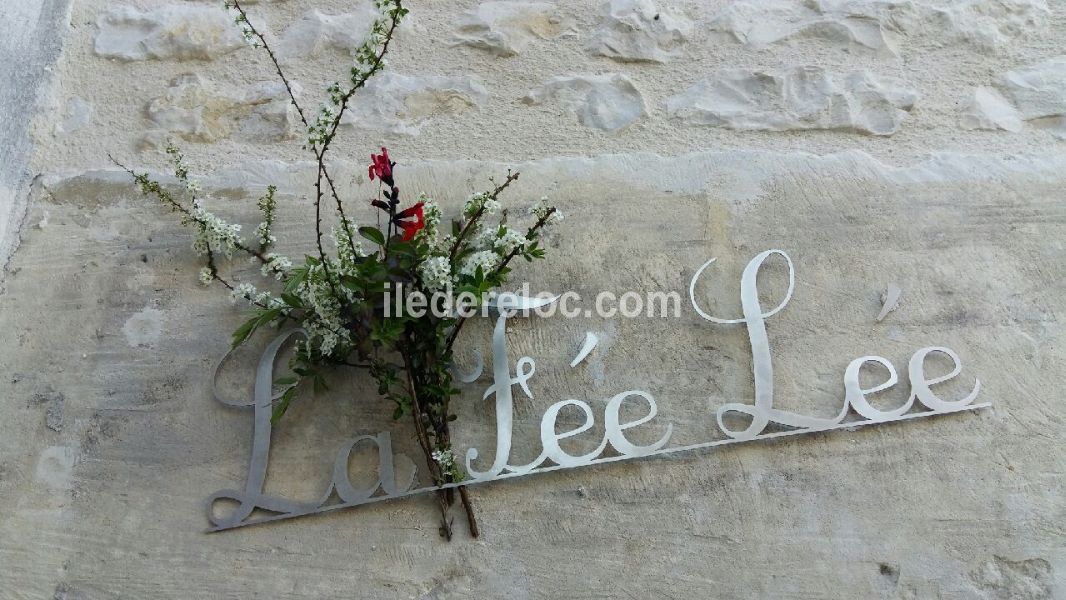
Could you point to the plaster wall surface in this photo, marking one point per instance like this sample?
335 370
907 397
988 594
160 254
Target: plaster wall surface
918 143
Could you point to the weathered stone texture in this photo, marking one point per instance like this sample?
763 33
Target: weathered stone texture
637 30
884 24
507 27
316 32
915 144
800 98
179 32
403 104
608 102
195 109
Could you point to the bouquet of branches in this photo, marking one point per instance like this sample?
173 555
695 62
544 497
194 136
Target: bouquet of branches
341 299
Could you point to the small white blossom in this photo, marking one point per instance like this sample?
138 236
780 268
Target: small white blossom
444 458
206 276
474 203
215 235
329 342
483 238
441 245
541 210
491 206
510 241
276 265
244 291
436 273
263 235
431 212
486 259
348 250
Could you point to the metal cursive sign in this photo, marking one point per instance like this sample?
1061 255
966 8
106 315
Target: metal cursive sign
552 457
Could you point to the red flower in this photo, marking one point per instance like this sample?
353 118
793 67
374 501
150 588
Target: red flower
410 228
381 166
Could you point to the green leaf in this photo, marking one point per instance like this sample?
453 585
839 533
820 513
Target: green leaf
289 380
261 318
295 278
244 331
282 405
373 234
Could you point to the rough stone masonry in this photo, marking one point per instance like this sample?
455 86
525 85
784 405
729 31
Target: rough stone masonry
911 143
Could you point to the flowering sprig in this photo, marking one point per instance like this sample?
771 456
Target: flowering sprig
267 205
339 298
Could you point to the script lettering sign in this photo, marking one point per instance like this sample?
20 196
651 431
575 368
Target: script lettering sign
922 402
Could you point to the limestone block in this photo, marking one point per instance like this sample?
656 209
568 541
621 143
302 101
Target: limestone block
637 30
881 25
195 109
403 104
795 99
989 24
608 102
1035 94
988 109
506 28
1039 91
177 32
315 32
973 239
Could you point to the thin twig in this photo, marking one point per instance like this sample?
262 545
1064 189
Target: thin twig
423 440
318 232
174 204
273 59
379 57
532 230
493 195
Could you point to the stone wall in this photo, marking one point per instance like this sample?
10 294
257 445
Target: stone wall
917 143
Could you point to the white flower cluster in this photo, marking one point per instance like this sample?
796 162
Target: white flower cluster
247 291
206 276
540 209
276 266
431 215
483 238
511 240
348 249
336 94
475 202
486 259
367 59
328 326
215 235
436 273
243 291
267 205
318 131
263 235
444 458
